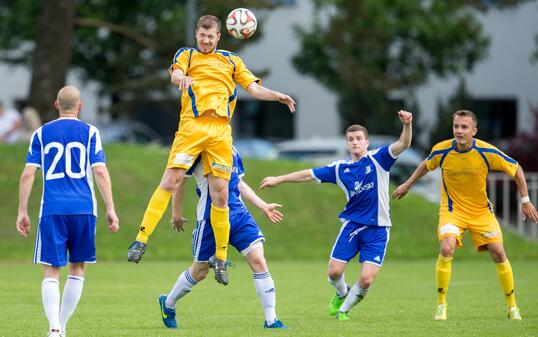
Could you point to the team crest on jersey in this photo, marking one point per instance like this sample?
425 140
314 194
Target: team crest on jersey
221 167
368 169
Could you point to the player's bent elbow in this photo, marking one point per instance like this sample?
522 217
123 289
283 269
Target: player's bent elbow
100 172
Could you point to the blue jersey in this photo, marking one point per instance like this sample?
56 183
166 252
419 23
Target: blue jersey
235 204
366 185
66 150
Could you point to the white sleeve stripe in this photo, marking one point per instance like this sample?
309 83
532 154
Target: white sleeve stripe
390 152
33 164
98 164
314 176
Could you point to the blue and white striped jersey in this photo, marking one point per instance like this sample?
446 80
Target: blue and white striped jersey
366 185
235 204
66 150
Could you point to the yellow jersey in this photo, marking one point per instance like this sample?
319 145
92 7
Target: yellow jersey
214 75
463 187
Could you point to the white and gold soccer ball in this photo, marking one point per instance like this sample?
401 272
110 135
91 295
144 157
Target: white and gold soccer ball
241 23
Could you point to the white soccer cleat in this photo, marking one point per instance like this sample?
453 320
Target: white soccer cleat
513 314
440 313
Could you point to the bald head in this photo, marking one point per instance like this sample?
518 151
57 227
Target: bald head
68 100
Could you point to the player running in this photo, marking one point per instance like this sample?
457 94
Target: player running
365 219
206 76
245 236
465 163
70 153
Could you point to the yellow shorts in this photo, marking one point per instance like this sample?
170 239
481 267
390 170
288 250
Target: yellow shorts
484 228
207 135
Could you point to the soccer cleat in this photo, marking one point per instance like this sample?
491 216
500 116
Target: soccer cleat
135 251
167 314
513 313
277 324
221 274
342 316
54 333
335 304
440 313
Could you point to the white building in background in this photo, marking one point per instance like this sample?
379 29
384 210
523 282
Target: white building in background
505 80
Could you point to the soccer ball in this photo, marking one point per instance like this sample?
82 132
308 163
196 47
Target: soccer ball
241 23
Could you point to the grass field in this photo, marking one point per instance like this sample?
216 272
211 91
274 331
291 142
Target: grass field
120 299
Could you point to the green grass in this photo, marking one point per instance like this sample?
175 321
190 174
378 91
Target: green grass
308 231
120 299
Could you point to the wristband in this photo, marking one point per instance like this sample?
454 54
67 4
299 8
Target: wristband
525 199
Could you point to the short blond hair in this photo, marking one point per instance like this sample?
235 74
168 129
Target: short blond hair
466 113
357 127
208 22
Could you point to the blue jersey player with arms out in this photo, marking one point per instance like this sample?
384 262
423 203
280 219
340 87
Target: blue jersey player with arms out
245 236
365 219
70 154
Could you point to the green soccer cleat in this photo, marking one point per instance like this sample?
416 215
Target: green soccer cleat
342 316
440 313
513 314
335 304
135 251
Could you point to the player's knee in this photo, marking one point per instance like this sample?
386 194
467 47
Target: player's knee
447 248
258 264
171 179
366 281
199 274
334 273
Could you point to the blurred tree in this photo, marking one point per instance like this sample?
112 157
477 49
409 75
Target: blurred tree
364 49
522 147
126 46
460 100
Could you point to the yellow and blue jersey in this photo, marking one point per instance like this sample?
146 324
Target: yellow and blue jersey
464 174
214 76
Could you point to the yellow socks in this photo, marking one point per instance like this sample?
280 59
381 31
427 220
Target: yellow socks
443 271
220 223
506 278
156 208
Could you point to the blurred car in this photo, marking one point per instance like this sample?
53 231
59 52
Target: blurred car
128 132
255 148
322 151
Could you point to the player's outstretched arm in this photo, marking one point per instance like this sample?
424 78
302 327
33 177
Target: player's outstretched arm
402 190
529 212
269 210
260 92
178 221
25 189
102 178
407 133
294 177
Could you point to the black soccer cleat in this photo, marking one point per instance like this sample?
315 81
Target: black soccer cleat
135 251
221 273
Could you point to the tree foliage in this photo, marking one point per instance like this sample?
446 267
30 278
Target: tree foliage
363 49
126 46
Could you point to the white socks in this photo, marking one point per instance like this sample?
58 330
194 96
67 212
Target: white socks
265 287
50 294
355 295
182 287
71 296
340 285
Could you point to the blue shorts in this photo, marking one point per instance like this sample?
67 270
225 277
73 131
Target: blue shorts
58 234
244 233
370 241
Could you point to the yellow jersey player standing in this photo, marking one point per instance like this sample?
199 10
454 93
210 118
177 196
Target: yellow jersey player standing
206 76
465 163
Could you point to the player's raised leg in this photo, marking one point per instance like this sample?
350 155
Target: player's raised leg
157 205
359 290
265 286
218 188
